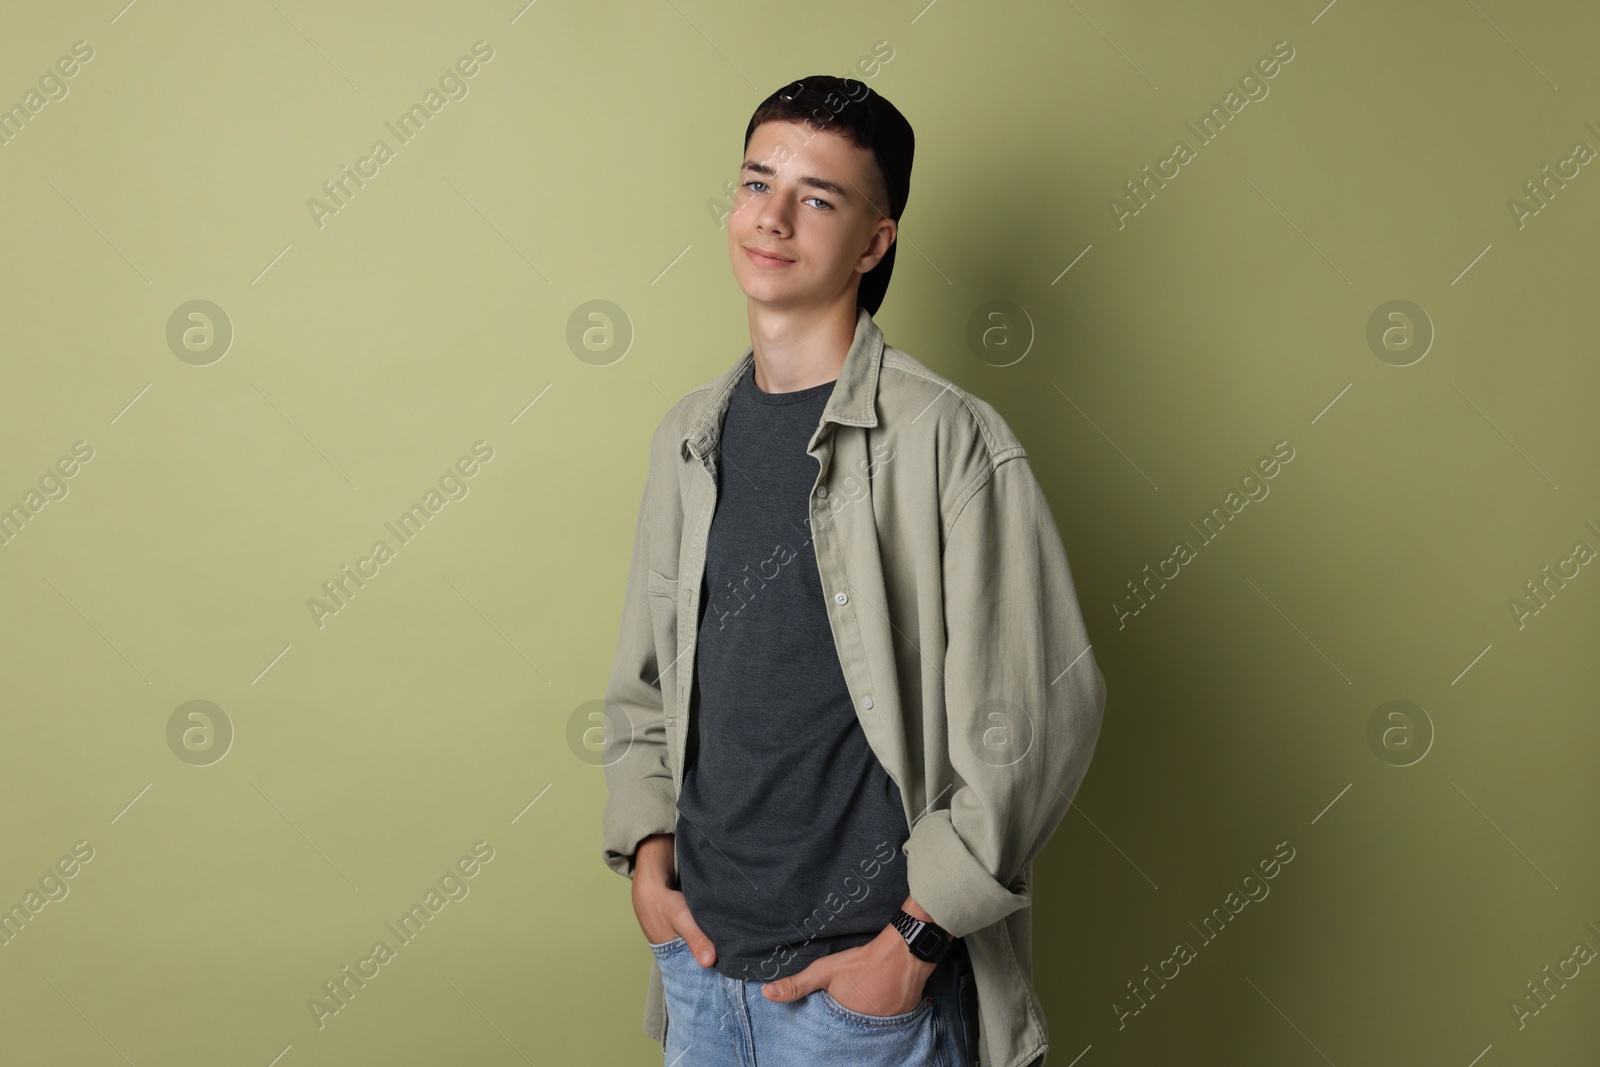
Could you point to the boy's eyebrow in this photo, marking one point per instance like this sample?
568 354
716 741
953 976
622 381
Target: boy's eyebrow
756 167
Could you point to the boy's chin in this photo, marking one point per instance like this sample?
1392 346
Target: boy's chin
774 295
782 294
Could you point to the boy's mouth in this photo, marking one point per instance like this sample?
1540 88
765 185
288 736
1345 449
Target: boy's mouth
762 259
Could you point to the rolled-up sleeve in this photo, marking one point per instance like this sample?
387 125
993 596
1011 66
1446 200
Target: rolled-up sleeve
638 773
1023 697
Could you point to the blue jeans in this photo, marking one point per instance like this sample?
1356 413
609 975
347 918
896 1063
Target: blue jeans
717 1021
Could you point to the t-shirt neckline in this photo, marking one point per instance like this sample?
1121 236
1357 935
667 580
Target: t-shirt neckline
754 392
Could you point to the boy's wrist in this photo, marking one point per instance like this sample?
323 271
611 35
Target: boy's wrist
916 911
654 859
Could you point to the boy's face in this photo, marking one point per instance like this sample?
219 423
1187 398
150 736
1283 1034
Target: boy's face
804 195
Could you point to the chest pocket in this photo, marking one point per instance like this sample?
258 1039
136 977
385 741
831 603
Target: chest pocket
664 621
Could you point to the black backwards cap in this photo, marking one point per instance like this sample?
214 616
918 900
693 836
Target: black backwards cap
850 104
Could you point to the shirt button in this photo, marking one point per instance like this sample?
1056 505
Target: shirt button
841 596
866 702
822 492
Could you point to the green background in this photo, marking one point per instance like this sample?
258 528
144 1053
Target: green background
438 708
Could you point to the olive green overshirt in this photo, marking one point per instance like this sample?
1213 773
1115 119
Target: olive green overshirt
958 629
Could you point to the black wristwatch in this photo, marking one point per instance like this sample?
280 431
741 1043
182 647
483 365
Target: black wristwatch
928 941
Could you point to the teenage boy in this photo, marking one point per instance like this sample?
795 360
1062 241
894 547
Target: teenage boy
850 635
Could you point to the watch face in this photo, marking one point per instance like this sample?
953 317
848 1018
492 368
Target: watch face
929 944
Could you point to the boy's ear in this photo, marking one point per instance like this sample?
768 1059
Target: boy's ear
894 235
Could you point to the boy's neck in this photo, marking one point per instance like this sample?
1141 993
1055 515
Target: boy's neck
797 348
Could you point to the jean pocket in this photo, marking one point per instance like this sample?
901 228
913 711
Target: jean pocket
667 947
905 1018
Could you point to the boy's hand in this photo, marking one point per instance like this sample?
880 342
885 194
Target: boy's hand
662 912
881 977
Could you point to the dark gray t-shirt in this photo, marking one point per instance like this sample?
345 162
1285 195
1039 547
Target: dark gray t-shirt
789 828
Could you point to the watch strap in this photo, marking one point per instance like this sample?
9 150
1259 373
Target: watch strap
928 941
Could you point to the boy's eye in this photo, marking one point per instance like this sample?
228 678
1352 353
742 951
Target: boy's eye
755 182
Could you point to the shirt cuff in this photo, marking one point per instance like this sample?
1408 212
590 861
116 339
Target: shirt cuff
949 882
636 809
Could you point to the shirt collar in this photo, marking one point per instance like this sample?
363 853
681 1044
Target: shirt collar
852 402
